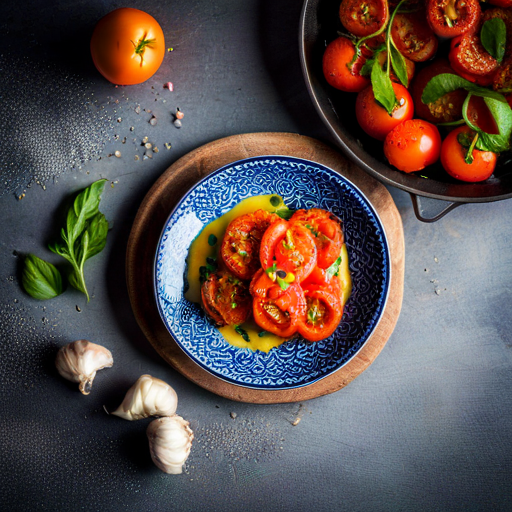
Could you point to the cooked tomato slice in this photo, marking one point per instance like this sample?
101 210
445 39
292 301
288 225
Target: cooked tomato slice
291 247
468 56
226 299
413 37
276 310
447 108
363 17
450 18
324 311
241 243
327 233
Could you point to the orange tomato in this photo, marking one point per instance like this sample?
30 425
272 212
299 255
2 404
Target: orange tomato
127 46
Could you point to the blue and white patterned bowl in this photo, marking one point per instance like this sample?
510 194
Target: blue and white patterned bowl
302 184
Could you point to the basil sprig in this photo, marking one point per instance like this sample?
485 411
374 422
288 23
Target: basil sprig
496 102
493 37
40 279
84 235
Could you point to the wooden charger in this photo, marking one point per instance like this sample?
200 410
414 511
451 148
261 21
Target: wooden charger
170 188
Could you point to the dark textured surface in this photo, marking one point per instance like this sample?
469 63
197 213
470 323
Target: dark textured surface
426 427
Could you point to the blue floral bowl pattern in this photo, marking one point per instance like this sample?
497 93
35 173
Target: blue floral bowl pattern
302 184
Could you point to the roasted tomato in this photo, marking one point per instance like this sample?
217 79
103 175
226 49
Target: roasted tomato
226 299
502 79
453 158
338 68
324 311
327 233
480 115
363 17
413 145
450 18
413 37
127 46
447 108
291 248
469 57
276 310
240 246
374 119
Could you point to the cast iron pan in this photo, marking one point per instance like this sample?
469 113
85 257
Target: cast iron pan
434 193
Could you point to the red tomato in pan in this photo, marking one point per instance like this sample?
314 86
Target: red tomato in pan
127 46
450 18
413 145
324 311
335 64
469 57
413 37
291 247
447 108
240 246
453 156
374 119
276 310
327 233
363 18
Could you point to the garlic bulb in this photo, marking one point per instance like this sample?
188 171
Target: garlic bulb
149 396
79 361
170 441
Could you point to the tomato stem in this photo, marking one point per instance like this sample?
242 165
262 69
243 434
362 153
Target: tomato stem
469 155
140 46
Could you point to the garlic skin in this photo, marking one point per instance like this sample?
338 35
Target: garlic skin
170 441
80 360
149 396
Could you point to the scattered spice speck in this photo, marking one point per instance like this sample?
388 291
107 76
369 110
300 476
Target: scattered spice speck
155 150
118 154
179 114
153 121
177 123
233 414
168 145
138 109
78 308
148 145
136 157
119 119
169 85
132 128
145 139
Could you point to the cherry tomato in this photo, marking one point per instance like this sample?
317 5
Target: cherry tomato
241 243
413 37
276 310
447 108
480 115
291 247
450 18
469 57
413 145
226 299
453 156
324 311
363 18
336 60
127 46
374 119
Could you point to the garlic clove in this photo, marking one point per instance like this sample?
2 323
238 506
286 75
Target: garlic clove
80 360
170 442
149 396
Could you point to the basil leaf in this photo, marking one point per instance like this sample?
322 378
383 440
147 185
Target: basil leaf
383 88
40 279
398 63
97 231
447 82
502 114
493 37
285 213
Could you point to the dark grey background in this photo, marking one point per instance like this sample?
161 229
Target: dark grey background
425 428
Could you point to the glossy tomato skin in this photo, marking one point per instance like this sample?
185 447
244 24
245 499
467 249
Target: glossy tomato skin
113 45
374 119
413 145
413 37
453 159
363 18
327 232
337 56
447 108
240 245
464 16
468 57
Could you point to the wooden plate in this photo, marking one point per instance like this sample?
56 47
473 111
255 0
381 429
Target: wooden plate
169 189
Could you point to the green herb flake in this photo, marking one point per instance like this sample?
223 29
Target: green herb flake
242 332
212 240
334 269
285 213
261 334
275 201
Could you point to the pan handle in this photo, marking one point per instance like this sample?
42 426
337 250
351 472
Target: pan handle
431 210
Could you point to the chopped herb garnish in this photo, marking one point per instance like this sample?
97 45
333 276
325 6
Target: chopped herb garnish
262 333
234 305
285 214
212 240
282 283
313 230
242 333
334 269
275 201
